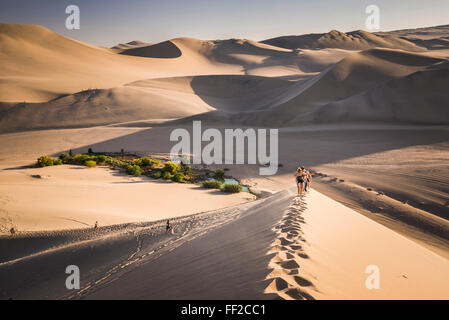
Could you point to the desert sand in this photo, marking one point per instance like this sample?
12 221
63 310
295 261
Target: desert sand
367 111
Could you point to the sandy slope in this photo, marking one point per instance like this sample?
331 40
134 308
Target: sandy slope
152 99
75 197
373 85
41 65
435 32
319 229
411 189
130 45
294 248
356 40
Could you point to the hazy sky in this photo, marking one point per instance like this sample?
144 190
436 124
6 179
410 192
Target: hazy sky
108 22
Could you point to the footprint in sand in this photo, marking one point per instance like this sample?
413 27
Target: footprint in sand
285 264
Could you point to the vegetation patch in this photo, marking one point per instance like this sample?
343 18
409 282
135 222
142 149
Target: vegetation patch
90 163
231 188
136 166
212 184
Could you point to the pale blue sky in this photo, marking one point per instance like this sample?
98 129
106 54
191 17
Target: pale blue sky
108 22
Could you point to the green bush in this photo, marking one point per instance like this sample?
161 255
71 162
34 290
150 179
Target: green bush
45 161
232 188
178 177
80 158
145 162
155 174
211 184
167 175
187 170
219 174
116 162
171 167
101 158
57 162
133 170
90 163
71 153
65 158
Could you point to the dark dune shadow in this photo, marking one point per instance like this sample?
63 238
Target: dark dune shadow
326 147
20 167
237 93
163 50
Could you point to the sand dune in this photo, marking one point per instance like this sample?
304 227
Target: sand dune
368 70
313 98
356 40
153 99
421 33
74 197
130 45
352 90
282 246
100 107
41 65
417 98
166 49
363 70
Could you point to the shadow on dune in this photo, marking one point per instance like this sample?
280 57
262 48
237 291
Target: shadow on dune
237 93
326 147
166 49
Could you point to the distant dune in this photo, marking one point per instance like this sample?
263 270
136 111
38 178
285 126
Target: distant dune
166 49
51 81
153 99
421 33
356 40
131 45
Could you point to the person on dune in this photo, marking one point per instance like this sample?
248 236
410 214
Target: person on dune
168 227
308 182
300 179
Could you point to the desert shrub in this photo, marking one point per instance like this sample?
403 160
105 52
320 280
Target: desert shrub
171 167
90 163
219 174
80 158
167 175
64 157
70 153
44 161
145 162
155 174
232 188
211 184
57 162
116 162
178 177
90 151
101 158
187 170
133 170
